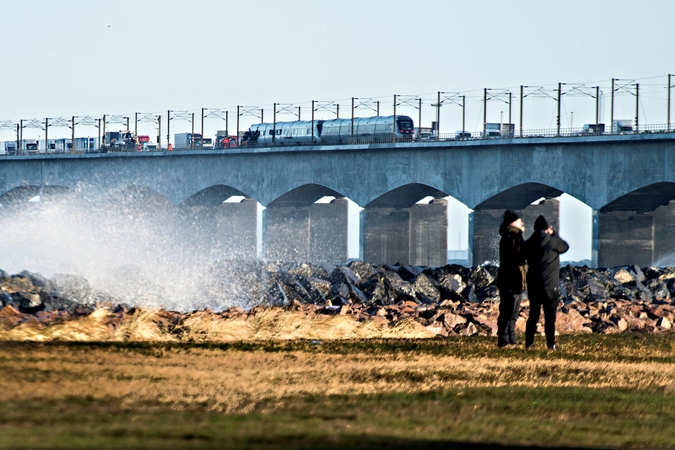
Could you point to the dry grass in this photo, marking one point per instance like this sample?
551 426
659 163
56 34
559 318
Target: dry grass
206 326
131 390
231 380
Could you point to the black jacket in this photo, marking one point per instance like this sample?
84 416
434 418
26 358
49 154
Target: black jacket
511 274
543 258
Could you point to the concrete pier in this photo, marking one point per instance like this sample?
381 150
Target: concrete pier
316 233
417 235
225 231
485 225
640 238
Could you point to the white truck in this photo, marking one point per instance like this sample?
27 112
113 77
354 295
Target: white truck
31 147
622 126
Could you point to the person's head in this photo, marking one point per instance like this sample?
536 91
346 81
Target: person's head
513 219
540 224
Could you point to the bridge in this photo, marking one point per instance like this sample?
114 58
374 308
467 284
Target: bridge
628 181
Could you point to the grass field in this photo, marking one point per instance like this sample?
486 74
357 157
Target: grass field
607 391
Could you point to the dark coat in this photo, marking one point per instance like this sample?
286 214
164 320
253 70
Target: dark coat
543 258
512 268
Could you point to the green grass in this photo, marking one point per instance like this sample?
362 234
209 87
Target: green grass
569 418
624 347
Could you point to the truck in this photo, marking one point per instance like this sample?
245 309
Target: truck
192 141
119 141
31 146
497 130
224 140
149 147
590 129
63 145
85 145
10 148
622 126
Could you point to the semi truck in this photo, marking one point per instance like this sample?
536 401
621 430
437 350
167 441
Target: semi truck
192 140
119 141
10 148
496 130
31 146
622 126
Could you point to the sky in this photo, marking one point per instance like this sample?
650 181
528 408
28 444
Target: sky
95 57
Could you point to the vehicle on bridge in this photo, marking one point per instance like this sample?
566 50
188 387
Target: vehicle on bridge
10 148
335 131
193 141
31 146
224 140
63 145
119 141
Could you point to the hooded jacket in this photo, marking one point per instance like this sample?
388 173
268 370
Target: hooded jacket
543 257
512 266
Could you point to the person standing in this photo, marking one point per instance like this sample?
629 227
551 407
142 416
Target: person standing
543 250
510 277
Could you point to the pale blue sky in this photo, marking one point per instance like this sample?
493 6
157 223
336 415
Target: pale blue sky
94 57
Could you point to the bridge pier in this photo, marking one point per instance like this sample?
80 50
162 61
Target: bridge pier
484 227
640 238
225 231
417 235
316 233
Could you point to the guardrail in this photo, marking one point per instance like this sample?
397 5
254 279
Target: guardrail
458 136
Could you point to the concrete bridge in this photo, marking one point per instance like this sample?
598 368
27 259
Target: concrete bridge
627 180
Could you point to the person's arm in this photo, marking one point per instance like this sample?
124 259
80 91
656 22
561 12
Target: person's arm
558 244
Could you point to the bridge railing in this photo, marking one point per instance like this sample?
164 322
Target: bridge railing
458 136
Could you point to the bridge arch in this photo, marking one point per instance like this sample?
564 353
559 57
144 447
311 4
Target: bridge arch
638 227
405 196
303 196
645 199
22 194
212 196
518 197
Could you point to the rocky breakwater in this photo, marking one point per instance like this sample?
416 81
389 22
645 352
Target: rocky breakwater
258 300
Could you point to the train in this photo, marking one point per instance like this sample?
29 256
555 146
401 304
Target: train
331 132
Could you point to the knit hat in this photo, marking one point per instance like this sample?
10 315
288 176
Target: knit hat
540 224
510 217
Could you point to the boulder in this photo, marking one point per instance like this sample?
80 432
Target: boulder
424 285
570 321
664 323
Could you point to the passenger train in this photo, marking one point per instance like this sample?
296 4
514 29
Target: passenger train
327 132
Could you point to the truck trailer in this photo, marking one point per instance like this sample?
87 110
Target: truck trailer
192 141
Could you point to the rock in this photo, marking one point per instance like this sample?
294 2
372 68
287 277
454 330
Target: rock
469 330
621 323
424 285
10 317
469 293
638 274
344 275
436 328
481 276
362 269
622 275
664 323
330 310
570 321
658 289
604 327
408 273
451 320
